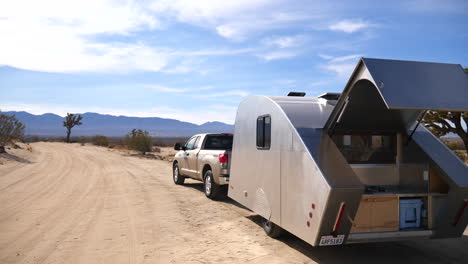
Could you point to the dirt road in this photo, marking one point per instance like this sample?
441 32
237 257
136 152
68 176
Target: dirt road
66 203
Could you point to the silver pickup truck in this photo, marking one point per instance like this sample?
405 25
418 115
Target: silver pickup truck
204 157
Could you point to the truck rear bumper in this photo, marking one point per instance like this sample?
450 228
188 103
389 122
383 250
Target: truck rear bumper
224 179
388 236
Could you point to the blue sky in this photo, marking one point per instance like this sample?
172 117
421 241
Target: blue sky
196 60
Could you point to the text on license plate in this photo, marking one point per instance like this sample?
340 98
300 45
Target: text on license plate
331 240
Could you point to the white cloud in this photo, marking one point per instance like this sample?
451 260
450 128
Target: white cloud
240 93
234 20
342 69
285 41
342 65
349 26
54 35
325 57
166 89
319 83
232 32
340 58
346 58
194 92
276 55
64 36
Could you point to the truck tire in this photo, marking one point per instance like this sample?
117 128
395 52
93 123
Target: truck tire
178 179
271 229
210 187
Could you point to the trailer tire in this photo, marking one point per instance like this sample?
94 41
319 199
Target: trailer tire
178 179
210 187
271 229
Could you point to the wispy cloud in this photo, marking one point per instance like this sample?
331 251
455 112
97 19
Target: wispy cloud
285 41
54 36
166 89
276 55
196 92
340 58
318 83
342 65
342 69
240 93
350 26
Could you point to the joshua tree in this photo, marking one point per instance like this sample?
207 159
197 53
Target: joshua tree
10 129
139 140
441 123
71 120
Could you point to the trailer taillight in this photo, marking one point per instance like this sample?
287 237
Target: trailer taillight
339 217
223 158
460 214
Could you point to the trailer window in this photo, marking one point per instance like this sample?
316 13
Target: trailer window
264 132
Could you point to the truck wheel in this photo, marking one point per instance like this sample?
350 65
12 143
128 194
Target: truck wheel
178 179
271 229
211 189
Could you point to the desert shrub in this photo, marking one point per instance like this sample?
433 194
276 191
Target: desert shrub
139 140
102 141
11 129
156 149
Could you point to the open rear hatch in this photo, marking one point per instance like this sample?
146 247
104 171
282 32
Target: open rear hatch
390 94
419 180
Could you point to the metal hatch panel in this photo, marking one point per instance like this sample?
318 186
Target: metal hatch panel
386 95
420 85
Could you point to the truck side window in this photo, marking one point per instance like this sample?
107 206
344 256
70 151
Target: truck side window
191 143
264 132
197 143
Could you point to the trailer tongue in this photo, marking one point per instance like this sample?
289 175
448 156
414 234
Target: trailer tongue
360 168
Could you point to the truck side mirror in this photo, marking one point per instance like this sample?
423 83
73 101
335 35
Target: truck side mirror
177 146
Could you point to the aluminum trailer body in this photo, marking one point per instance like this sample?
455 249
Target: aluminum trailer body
309 164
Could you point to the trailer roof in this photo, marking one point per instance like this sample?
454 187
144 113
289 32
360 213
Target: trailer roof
305 112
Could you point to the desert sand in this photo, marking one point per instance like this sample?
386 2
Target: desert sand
66 203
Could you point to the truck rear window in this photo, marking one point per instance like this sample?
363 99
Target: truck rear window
218 142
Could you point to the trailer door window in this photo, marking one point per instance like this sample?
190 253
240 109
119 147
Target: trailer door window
264 132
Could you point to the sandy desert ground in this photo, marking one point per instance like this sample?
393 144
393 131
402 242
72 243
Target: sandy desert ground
66 203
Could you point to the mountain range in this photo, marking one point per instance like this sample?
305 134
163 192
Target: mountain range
115 126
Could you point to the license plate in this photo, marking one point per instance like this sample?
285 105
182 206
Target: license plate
331 240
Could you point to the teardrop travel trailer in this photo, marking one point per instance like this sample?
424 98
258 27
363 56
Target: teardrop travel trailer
357 166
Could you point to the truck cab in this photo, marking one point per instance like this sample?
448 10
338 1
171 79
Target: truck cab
204 157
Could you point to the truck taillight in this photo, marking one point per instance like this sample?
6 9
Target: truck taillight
223 158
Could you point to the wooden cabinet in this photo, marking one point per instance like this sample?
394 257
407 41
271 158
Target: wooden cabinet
377 213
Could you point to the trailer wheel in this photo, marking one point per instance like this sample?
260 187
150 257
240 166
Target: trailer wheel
271 229
210 187
178 179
